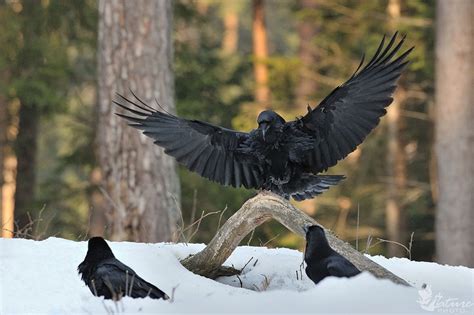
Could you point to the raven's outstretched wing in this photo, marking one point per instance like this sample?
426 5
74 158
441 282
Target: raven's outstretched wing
206 149
347 115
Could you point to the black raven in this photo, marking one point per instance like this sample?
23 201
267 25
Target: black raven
321 260
283 157
106 276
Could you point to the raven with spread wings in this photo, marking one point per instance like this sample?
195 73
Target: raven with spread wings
283 157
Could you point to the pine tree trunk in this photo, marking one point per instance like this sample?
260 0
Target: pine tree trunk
26 149
231 30
455 132
395 217
140 182
260 52
7 173
3 144
97 205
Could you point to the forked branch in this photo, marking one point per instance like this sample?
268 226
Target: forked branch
253 213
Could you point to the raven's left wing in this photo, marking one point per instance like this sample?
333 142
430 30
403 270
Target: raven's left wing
211 151
347 115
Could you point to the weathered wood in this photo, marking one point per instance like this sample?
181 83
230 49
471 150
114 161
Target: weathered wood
253 213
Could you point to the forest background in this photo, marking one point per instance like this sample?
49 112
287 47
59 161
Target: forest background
231 59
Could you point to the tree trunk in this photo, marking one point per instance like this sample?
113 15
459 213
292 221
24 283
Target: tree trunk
454 132
395 217
260 52
3 145
97 205
307 86
26 149
252 214
231 30
6 176
7 171
8 196
140 182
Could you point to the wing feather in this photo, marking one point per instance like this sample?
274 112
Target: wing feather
211 151
351 111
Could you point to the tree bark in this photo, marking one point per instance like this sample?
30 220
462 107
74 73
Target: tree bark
252 214
140 182
97 205
454 132
260 52
395 216
26 149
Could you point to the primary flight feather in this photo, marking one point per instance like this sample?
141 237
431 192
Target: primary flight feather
283 157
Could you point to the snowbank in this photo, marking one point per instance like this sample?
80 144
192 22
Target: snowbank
41 277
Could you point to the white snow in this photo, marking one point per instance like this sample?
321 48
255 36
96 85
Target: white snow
40 277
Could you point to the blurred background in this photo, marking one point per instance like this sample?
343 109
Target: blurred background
72 169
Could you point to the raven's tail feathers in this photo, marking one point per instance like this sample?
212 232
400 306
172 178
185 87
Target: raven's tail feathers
310 186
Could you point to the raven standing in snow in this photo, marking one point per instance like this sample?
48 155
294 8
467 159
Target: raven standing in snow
106 276
321 260
283 157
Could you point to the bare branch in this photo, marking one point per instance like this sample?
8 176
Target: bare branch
253 213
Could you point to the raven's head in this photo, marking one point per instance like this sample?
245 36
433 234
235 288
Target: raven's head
98 250
316 242
268 122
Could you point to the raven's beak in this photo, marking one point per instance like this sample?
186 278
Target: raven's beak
306 228
264 127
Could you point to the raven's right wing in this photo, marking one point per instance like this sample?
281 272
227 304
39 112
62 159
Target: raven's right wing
349 113
206 149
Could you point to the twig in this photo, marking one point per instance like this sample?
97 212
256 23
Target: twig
240 280
180 230
199 223
381 240
410 244
271 239
173 291
250 238
301 269
265 283
357 228
131 285
368 244
193 209
241 270
220 218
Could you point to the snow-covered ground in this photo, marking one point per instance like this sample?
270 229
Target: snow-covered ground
41 278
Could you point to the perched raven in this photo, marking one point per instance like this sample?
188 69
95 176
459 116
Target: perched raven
321 260
106 276
283 157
